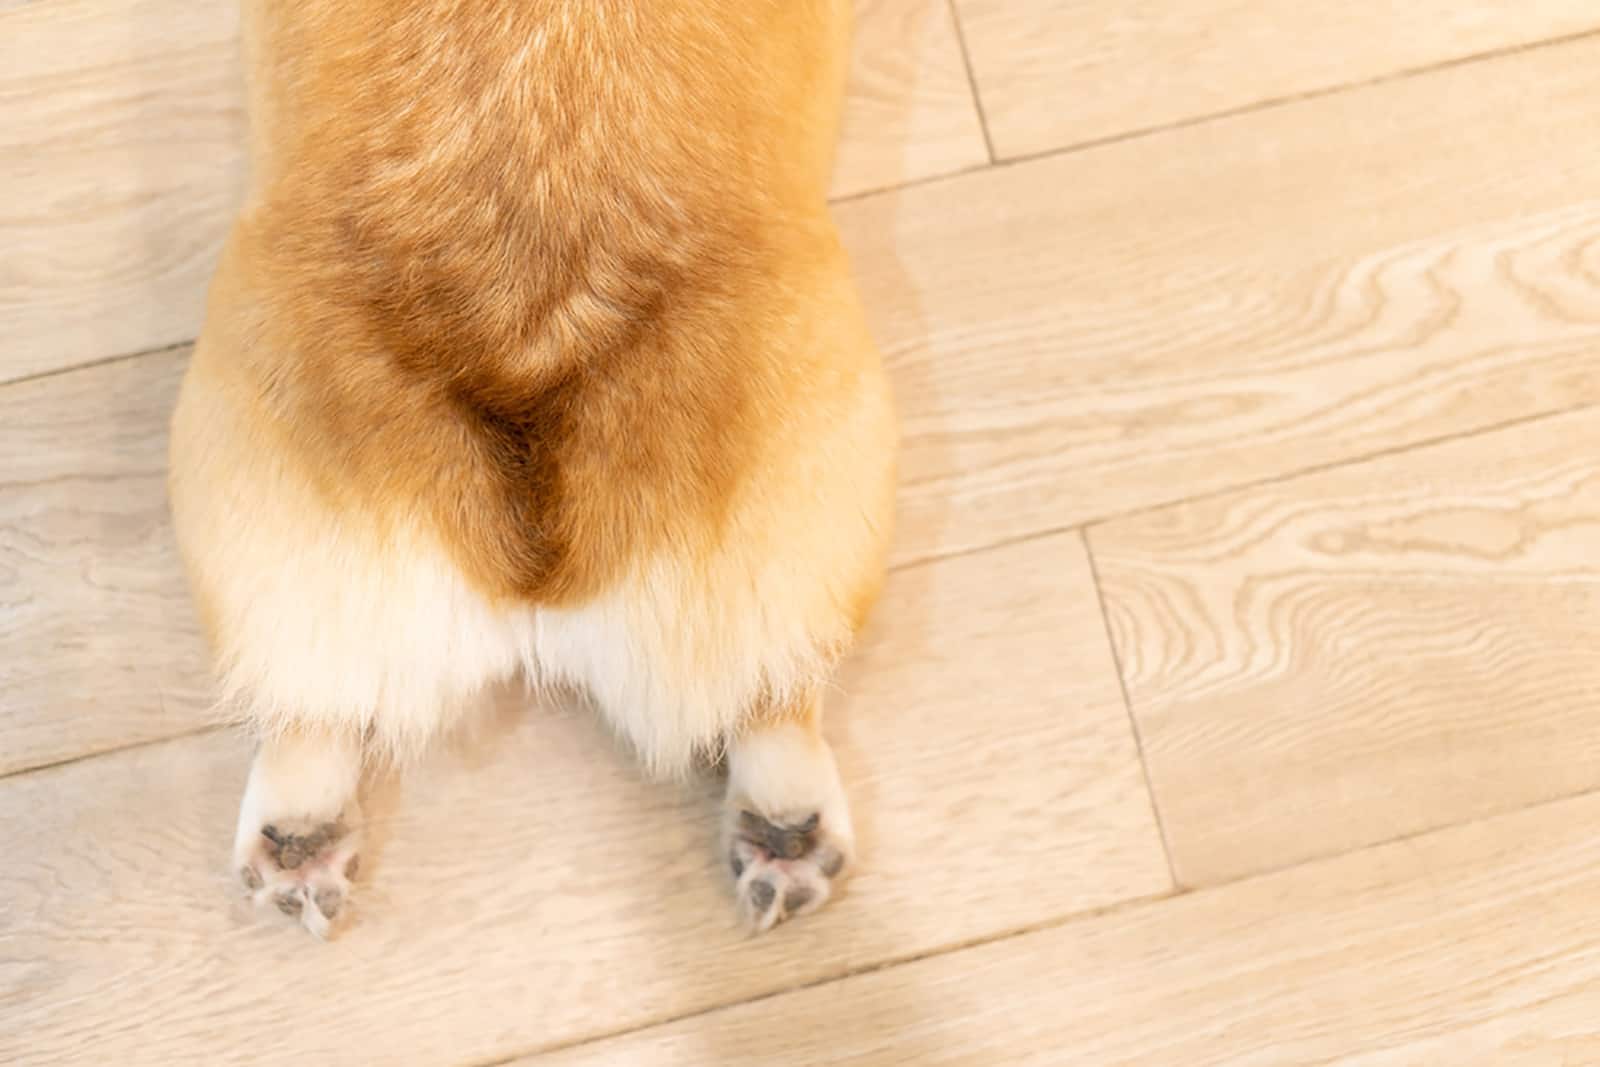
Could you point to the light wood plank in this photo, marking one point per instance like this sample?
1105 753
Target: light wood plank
1476 946
910 112
122 131
1053 73
532 891
1077 337
99 647
1344 658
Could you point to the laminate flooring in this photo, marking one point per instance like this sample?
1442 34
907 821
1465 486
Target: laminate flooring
1232 698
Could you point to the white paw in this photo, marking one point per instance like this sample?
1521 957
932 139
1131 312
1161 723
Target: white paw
302 867
782 868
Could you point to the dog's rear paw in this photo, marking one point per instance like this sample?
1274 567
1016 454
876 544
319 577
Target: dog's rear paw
303 868
782 868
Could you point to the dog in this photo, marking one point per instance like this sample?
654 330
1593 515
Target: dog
533 353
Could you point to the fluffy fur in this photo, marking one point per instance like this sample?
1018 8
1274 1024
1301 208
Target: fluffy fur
533 350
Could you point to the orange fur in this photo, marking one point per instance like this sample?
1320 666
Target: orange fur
542 291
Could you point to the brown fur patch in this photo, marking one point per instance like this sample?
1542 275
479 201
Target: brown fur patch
508 285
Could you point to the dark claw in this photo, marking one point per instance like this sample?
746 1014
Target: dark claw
784 842
830 862
290 851
761 895
290 904
797 898
329 902
737 864
252 880
352 867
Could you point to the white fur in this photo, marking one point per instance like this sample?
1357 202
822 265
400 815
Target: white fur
674 659
786 772
336 634
392 640
297 779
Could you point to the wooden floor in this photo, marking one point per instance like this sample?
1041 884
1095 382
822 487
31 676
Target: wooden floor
1235 697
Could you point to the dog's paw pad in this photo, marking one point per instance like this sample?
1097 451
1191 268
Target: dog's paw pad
782 868
303 869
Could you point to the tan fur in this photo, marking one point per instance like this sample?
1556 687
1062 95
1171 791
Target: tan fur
534 348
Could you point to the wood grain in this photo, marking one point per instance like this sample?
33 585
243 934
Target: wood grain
1301 301
1053 73
531 891
1077 337
1476 946
121 128
1158 338
122 131
1345 658
910 112
98 644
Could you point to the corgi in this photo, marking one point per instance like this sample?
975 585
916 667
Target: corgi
533 352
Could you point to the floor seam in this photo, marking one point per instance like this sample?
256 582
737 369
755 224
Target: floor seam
1043 926
102 361
972 80
1127 704
132 746
1234 488
1270 103
999 937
